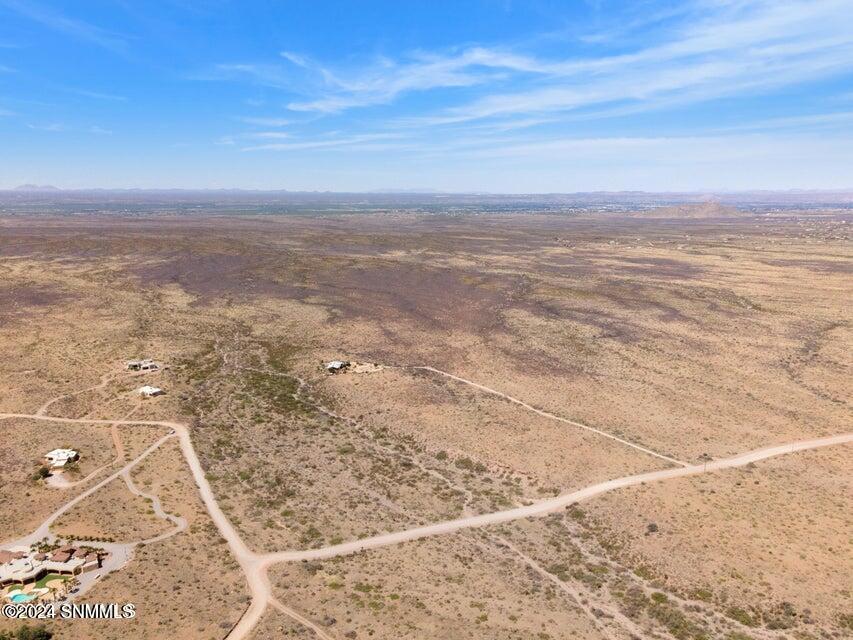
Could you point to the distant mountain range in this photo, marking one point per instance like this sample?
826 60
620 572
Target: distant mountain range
650 204
37 187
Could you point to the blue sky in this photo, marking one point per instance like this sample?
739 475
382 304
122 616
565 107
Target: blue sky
483 95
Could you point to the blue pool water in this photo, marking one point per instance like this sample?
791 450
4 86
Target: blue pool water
23 597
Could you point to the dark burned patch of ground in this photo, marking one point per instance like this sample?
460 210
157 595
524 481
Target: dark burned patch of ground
19 301
216 276
432 297
437 298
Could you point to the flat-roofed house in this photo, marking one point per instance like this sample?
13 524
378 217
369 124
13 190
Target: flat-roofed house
336 366
58 458
23 565
142 365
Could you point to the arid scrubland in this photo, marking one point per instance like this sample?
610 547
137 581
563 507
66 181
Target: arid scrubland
460 586
695 339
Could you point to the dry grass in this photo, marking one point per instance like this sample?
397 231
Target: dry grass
451 587
113 514
692 337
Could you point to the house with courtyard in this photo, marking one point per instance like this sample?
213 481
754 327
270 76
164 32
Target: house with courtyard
23 566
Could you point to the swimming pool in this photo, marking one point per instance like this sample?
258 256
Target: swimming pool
23 597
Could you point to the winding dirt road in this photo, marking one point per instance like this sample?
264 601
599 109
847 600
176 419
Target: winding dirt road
44 529
255 565
249 561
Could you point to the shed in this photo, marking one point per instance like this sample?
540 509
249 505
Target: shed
148 391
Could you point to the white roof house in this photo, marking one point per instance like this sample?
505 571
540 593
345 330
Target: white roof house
336 365
148 391
143 365
59 457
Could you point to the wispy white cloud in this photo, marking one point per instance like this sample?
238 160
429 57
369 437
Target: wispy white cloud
57 127
57 21
746 47
98 95
52 127
269 135
324 143
795 122
386 79
266 122
295 58
718 48
270 75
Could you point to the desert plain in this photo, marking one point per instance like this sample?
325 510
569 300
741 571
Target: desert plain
498 361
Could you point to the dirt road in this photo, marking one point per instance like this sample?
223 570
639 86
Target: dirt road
250 562
552 504
255 565
552 416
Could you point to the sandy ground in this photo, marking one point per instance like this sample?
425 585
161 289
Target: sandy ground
453 587
755 535
693 339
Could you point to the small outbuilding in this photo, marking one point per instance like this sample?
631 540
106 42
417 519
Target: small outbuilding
149 392
336 366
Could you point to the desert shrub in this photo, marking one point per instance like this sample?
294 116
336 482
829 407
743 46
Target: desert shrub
41 473
469 465
742 616
705 595
27 632
559 570
644 572
671 617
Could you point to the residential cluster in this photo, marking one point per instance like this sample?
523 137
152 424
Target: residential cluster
146 364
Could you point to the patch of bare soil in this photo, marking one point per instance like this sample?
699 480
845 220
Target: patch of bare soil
744 541
112 514
452 587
